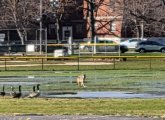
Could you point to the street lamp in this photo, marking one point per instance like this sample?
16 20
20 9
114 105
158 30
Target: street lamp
55 5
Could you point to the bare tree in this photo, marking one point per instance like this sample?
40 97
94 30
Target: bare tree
23 14
19 15
144 18
63 9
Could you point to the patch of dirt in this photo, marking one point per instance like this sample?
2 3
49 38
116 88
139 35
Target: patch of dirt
66 63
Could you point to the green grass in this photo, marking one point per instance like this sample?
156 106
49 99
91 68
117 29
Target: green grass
139 81
130 64
135 75
123 107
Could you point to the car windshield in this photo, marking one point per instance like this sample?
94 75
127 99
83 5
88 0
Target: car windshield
133 40
141 43
149 43
155 43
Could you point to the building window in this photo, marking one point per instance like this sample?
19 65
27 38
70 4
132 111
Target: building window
79 28
51 29
112 26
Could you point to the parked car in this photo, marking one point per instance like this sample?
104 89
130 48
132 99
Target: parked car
51 49
4 48
112 47
131 43
123 48
157 39
150 46
17 48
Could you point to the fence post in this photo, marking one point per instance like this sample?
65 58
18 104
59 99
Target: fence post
150 63
42 63
95 64
78 60
5 65
114 67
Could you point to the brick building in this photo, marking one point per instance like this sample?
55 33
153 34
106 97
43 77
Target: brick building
107 21
107 18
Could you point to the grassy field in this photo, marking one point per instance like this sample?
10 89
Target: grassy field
138 81
123 107
135 63
117 80
139 76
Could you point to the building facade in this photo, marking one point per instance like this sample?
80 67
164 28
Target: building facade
74 21
107 21
107 18
71 23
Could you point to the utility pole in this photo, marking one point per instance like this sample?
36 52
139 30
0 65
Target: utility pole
57 29
40 27
92 19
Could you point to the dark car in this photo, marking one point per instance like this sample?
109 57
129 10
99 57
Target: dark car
17 48
123 48
150 46
116 48
12 48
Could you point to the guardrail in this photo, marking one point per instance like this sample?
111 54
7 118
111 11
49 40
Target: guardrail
77 59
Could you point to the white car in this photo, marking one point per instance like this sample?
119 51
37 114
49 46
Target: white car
131 43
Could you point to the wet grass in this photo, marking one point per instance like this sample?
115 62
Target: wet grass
123 107
141 81
127 76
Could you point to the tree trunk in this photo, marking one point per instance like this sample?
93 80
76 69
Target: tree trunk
142 30
57 30
21 36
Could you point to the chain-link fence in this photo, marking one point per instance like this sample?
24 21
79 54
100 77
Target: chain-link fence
78 63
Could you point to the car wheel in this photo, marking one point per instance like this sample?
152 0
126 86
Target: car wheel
122 51
163 50
141 50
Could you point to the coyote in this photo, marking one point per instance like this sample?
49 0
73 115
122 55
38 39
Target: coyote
80 80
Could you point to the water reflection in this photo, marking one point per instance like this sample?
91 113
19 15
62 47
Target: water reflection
105 94
18 83
33 80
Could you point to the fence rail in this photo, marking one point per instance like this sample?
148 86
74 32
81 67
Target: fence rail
75 57
81 62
